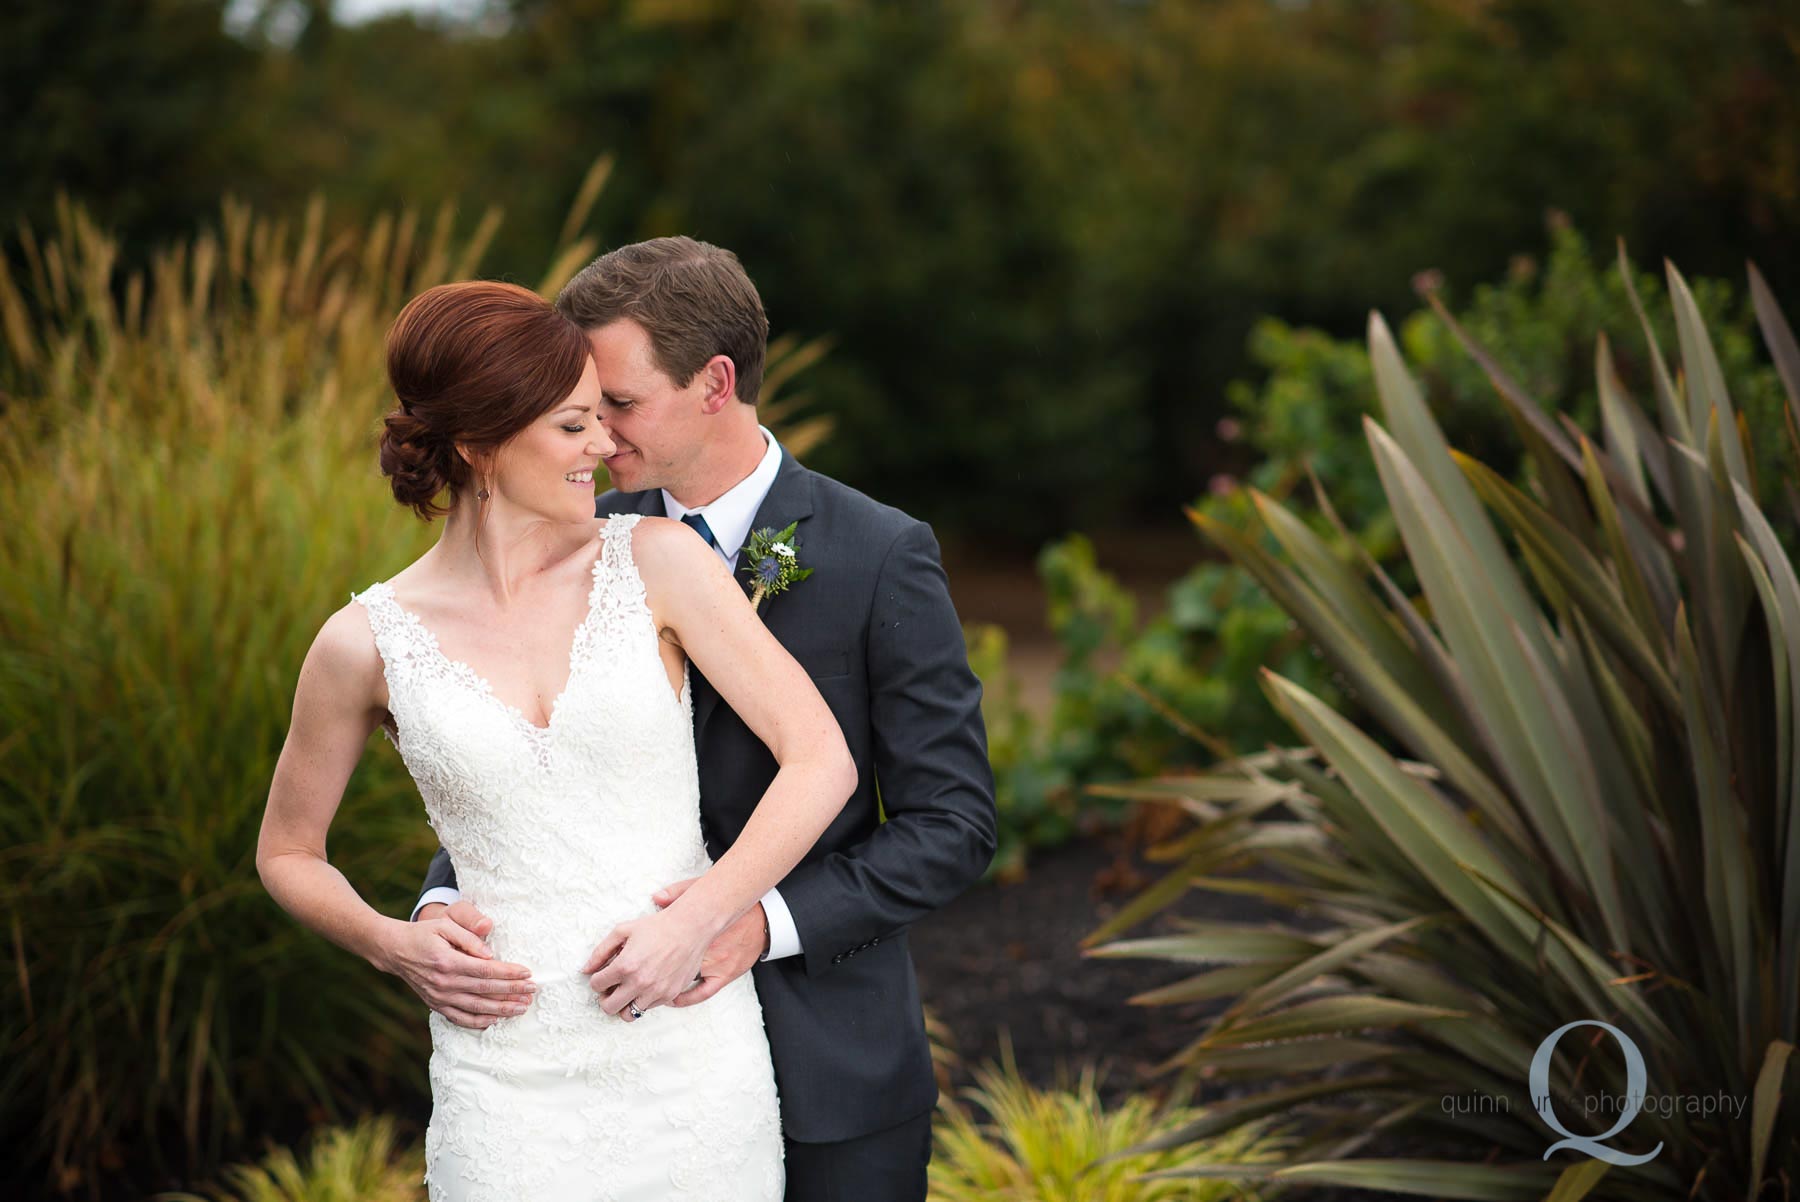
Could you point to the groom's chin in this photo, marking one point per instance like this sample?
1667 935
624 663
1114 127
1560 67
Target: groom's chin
622 472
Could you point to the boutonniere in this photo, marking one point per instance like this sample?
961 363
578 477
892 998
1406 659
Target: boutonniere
772 558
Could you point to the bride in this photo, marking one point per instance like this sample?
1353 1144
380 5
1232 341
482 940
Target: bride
531 668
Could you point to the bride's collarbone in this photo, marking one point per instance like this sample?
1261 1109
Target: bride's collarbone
523 651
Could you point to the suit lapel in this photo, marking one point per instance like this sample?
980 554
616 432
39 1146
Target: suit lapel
789 499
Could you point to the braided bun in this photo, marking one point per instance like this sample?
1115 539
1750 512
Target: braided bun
418 467
471 365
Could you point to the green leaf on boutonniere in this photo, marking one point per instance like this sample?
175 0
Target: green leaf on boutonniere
772 560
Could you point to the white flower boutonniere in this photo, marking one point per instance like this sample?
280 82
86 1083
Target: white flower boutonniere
772 558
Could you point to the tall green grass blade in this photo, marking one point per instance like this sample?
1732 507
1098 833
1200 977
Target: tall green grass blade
1578 1181
1545 767
1430 833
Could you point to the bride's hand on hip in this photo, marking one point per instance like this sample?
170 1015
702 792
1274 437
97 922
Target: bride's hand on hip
452 970
646 962
734 953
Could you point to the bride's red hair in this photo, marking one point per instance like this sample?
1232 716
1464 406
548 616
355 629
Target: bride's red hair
470 364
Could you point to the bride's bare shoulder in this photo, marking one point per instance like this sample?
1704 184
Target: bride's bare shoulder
650 529
663 545
675 565
343 653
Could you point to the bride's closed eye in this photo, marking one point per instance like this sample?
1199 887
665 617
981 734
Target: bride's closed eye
574 429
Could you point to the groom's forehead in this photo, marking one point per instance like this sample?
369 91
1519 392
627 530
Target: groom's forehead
622 349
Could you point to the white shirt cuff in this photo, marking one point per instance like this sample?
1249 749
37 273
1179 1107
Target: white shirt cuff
784 939
443 893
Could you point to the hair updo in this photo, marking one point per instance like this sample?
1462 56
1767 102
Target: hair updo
474 364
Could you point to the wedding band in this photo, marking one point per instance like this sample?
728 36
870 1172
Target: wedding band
631 1008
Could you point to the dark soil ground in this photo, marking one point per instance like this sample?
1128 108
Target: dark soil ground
1003 963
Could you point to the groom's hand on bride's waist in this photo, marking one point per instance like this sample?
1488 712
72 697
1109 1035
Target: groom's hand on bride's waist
443 957
734 953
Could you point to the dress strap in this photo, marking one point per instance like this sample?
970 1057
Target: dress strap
616 541
618 589
406 653
385 616
618 613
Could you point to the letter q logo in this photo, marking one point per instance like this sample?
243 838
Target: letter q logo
1635 1077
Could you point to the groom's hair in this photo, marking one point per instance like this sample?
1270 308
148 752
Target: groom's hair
692 298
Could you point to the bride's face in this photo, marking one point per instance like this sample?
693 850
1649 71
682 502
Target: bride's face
547 469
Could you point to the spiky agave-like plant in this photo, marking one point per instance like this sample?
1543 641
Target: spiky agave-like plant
1576 796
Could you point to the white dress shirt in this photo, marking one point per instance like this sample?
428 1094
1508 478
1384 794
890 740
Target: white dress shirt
729 518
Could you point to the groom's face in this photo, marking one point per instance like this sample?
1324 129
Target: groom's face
658 426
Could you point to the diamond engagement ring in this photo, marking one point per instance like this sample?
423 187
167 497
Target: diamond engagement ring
631 1008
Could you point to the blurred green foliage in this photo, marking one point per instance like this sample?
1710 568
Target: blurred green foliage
187 455
1181 690
1040 233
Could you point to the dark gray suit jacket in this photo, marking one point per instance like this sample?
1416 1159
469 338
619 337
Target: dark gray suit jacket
875 629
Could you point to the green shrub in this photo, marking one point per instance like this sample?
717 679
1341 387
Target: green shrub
1124 700
1304 421
364 1163
1594 813
1181 689
1063 1145
187 462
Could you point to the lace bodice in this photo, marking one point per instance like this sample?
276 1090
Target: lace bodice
558 833
524 810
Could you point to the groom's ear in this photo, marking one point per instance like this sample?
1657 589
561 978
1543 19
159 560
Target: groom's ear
719 374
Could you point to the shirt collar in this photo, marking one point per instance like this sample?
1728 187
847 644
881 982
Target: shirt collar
730 516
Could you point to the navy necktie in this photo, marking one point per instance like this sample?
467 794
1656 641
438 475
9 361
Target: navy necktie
701 528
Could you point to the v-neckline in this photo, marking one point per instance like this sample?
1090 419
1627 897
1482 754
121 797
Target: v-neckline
480 683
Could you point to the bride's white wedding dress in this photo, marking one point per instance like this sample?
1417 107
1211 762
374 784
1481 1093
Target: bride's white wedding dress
559 833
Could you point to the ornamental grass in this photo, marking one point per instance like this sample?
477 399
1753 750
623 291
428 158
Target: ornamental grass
187 462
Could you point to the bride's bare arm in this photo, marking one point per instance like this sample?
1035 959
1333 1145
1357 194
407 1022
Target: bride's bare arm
693 595
337 705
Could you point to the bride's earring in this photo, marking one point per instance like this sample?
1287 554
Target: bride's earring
481 494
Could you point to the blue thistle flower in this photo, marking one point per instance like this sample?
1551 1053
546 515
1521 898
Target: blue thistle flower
768 571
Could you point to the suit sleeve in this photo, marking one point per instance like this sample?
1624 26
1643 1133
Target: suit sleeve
441 874
931 768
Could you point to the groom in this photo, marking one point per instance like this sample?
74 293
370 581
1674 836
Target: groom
678 335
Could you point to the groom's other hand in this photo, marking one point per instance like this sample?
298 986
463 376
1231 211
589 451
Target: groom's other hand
446 963
730 956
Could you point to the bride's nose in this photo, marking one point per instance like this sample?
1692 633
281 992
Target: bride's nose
601 443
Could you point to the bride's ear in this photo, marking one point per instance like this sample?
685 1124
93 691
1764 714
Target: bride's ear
481 466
